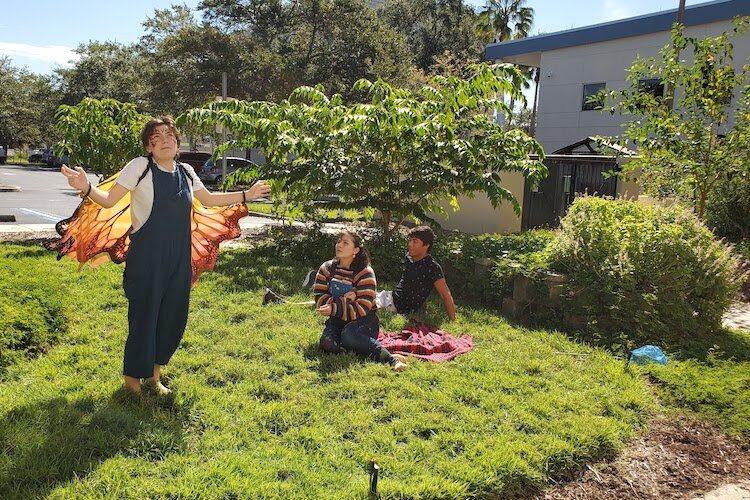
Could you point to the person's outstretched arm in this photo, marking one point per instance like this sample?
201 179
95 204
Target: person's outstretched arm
77 180
442 289
209 199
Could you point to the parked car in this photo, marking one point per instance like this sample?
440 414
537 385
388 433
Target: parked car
211 173
194 159
46 156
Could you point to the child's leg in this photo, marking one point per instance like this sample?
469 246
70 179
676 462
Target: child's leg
330 341
361 336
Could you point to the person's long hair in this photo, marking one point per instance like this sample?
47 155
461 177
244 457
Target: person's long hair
362 259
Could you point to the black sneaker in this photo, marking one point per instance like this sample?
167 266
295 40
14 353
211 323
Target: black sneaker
309 280
271 297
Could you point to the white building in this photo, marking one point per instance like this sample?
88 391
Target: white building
579 62
573 64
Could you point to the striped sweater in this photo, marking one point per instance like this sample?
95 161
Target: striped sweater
364 285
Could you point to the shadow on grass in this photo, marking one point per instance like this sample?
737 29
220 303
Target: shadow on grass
722 343
328 364
54 441
29 248
258 268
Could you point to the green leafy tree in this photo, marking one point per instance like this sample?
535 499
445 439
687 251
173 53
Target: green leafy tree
434 27
402 153
686 150
25 100
103 134
283 45
106 70
186 60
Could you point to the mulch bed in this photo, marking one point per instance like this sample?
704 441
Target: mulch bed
673 459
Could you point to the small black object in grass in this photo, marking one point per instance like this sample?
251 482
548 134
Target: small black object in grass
271 297
374 468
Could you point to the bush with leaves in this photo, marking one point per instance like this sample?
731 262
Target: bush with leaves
643 271
728 208
102 134
31 312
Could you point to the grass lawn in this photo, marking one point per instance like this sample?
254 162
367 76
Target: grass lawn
325 215
259 411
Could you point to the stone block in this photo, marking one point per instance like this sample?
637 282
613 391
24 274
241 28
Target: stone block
521 289
511 308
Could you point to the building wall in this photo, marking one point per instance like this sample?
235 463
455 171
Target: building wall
560 120
477 216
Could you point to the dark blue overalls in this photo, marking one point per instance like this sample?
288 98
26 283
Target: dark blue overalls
157 275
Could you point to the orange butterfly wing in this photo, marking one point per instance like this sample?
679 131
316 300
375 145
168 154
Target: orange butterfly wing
95 234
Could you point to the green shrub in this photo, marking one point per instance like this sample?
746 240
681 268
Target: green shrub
728 209
456 252
31 315
642 271
18 158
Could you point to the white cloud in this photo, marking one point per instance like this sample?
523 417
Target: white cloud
614 10
49 53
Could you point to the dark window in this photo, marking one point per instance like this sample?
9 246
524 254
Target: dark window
652 86
590 90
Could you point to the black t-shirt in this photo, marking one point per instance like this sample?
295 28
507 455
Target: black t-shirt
416 283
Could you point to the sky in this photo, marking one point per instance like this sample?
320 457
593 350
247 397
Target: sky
40 35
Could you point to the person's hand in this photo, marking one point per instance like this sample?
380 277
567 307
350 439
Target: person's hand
259 190
76 178
350 295
325 310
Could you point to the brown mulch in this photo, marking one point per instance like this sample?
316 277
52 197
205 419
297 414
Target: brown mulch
673 459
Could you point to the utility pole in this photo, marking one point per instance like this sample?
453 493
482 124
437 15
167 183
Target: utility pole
670 87
224 129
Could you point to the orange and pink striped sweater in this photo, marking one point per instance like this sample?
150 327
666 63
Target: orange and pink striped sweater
363 283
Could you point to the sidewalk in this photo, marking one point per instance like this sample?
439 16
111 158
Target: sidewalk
737 316
251 222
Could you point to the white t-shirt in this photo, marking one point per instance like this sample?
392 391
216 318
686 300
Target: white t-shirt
142 195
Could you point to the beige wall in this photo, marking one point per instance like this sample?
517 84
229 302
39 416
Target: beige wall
560 121
628 189
477 216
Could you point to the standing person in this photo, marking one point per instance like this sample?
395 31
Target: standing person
420 275
344 292
158 267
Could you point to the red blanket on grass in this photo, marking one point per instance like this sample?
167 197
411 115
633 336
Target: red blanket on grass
424 342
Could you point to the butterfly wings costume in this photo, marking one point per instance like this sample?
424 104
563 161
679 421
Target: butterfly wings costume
95 234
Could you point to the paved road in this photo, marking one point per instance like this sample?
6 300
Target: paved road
44 198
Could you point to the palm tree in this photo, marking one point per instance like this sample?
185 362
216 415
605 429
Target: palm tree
503 20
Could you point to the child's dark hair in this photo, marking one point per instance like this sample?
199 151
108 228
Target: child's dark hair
423 233
362 259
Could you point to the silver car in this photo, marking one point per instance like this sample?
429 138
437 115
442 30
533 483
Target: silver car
212 172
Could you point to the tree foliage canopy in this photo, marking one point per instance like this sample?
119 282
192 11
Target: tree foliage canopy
687 148
102 134
402 152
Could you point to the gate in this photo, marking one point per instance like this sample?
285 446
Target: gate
569 176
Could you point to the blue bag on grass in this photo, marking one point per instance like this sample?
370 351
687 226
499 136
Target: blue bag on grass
647 354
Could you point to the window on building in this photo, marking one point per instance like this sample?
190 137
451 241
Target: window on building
652 86
590 90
